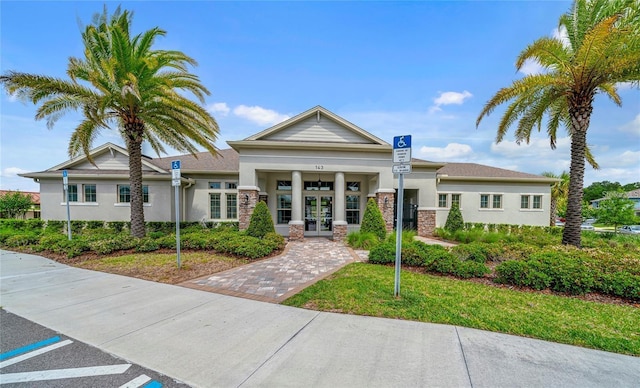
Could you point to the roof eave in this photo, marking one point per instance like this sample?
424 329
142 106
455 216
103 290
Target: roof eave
496 179
253 144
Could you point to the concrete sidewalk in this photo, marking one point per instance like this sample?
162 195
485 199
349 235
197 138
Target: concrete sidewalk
212 340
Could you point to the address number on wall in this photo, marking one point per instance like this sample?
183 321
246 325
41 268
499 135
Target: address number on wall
319 167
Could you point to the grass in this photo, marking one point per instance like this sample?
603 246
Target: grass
366 289
162 267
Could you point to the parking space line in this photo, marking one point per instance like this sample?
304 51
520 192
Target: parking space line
28 348
34 353
56 374
137 382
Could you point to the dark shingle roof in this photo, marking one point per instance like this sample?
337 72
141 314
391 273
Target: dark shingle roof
225 160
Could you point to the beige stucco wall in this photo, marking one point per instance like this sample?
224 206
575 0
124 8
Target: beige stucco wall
510 212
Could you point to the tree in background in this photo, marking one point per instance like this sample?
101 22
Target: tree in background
261 222
597 190
616 209
372 220
123 83
14 204
602 49
559 193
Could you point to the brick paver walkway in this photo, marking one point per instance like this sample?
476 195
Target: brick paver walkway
273 280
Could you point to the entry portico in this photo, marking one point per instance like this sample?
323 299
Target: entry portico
315 171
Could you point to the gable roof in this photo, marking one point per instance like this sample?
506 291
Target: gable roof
316 128
479 172
107 147
225 160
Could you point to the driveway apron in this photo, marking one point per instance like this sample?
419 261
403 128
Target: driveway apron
273 280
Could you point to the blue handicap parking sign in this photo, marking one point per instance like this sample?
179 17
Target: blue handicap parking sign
175 165
402 142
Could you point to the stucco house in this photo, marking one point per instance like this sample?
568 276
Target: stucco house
315 171
633 195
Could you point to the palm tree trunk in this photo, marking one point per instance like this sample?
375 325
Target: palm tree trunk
580 112
134 147
554 210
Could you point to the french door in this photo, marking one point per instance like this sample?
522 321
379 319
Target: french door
318 215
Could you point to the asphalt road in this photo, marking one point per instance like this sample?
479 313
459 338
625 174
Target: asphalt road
34 356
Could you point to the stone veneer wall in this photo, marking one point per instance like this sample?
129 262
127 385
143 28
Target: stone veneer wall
386 209
296 232
426 222
339 233
245 207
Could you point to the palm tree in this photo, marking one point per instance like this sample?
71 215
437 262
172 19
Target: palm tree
559 192
602 50
123 82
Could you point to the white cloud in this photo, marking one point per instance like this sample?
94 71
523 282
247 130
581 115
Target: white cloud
561 34
219 107
536 149
450 152
12 172
632 127
531 66
259 115
448 98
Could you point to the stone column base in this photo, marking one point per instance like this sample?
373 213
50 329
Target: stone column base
296 232
426 222
386 207
247 200
339 232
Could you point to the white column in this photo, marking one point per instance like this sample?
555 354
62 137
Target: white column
339 210
296 197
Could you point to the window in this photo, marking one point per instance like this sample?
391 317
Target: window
231 185
232 206
72 193
89 193
497 201
124 194
284 208
442 200
353 209
455 198
353 186
284 185
537 201
214 205
215 185
524 202
318 185
484 201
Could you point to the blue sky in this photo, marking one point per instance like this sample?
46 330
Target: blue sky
423 68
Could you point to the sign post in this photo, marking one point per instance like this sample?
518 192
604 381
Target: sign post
402 155
65 185
175 182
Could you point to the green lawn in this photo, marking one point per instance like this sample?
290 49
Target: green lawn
366 289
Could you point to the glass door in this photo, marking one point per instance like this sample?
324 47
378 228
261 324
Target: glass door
318 215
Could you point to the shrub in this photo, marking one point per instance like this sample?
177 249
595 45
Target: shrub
362 240
474 251
261 222
55 226
384 253
77 226
147 244
520 273
34 224
274 241
21 239
444 262
118 226
454 219
94 225
113 244
471 269
160 226
167 241
372 220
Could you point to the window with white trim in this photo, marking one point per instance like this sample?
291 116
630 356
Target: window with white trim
455 198
531 201
490 201
442 200
72 193
90 194
352 202
232 206
124 194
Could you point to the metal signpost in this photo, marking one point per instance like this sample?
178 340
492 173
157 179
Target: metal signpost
175 182
401 155
65 185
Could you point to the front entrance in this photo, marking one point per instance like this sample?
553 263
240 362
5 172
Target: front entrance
318 215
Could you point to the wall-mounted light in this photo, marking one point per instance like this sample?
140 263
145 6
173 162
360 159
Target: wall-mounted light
245 198
386 201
